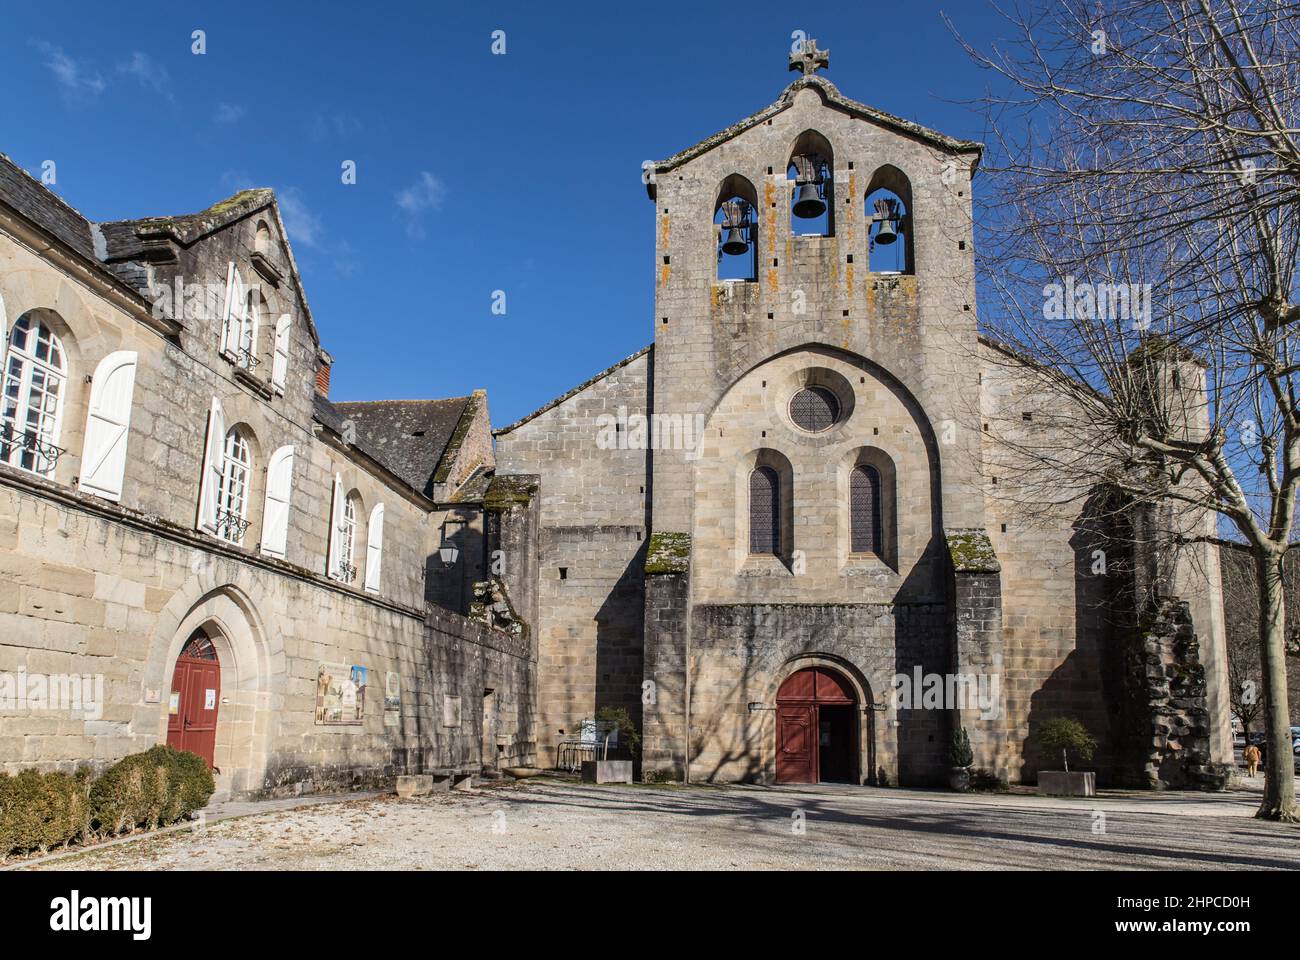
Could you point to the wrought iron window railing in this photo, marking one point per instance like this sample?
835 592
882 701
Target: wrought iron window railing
347 572
45 454
231 526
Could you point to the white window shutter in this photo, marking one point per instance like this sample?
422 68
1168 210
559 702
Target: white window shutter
279 489
375 549
4 335
214 454
336 521
280 365
103 454
236 306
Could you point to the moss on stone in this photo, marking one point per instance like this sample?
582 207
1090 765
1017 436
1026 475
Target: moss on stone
668 553
972 552
505 492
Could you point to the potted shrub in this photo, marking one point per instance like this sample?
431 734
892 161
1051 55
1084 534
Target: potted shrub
1066 735
962 758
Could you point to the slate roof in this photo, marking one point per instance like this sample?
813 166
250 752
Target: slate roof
35 202
411 438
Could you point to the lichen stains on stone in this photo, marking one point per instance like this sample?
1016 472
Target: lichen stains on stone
972 552
505 492
668 553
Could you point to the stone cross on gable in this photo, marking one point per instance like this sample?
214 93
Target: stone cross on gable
808 60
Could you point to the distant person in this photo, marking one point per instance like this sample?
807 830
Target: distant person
1251 756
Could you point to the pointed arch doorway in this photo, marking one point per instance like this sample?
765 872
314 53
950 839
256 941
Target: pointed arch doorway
195 698
816 728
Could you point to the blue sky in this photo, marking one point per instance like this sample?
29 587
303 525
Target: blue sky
475 172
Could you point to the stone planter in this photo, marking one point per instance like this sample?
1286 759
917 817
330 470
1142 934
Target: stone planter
607 771
414 785
959 779
1059 783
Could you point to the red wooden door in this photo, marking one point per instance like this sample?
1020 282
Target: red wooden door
796 743
813 704
196 696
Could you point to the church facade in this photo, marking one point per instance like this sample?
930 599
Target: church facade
768 533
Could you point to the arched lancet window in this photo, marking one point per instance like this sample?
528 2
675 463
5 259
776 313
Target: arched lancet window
233 494
34 393
865 529
735 216
888 213
812 192
764 511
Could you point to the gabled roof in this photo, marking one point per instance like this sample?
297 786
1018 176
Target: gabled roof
832 96
187 228
414 439
576 390
125 240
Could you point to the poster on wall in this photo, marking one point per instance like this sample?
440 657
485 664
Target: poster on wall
340 693
392 699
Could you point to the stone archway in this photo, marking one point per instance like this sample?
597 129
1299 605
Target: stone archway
245 721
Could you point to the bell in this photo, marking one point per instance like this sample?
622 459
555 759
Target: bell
886 234
735 244
808 204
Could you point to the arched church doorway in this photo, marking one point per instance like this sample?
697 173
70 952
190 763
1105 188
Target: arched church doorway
195 698
816 728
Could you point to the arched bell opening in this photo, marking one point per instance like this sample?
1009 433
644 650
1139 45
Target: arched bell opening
735 219
812 191
888 211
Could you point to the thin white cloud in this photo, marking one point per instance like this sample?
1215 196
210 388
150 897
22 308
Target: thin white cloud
302 225
148 72
324 126
419 199
77 78
228 113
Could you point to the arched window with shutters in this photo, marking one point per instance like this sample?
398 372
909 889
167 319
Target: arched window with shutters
32 397
233 491
865 528
764 511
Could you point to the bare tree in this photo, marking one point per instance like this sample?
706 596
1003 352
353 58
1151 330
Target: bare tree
1139 232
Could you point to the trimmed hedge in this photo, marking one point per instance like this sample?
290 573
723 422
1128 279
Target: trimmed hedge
42 810
39 811
150 789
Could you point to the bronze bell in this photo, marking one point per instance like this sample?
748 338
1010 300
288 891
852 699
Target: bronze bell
808 203
735 244
886 218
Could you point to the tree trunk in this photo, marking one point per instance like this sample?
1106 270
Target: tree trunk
1279 770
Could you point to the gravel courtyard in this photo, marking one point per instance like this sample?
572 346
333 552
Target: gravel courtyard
561 825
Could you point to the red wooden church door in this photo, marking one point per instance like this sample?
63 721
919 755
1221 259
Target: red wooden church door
196 694
815 736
